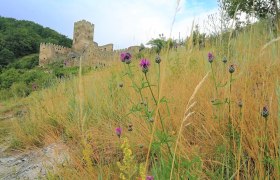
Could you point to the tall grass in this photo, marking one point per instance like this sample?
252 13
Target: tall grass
84 112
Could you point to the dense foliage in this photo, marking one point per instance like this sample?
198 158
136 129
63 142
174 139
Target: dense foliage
19 47
20 78
161 42
19 38
260 8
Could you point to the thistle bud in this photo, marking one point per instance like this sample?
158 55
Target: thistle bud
158 60
231 69
224 60
265 112
240 103
130 127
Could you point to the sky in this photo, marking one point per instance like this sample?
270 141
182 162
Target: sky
121 22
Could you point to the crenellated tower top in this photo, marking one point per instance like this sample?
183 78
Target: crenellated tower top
83 35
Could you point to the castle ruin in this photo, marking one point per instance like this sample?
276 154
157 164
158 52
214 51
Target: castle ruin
83 46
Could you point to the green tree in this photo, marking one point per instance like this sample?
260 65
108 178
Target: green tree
170 43
24 37
6 57
260 8
142 47
158 44
198 38
8 77
26 62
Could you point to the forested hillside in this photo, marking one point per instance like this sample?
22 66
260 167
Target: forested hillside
19 38
19 57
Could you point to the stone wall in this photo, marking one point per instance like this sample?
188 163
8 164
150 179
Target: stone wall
107 47
94 55
50 52
83 47
131 49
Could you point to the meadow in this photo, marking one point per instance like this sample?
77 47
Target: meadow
195 113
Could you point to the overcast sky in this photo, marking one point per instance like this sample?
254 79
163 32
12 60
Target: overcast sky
121 22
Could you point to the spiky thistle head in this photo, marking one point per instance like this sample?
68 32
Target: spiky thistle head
210 57
126 57
144 64
118 131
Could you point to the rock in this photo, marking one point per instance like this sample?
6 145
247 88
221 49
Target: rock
33 164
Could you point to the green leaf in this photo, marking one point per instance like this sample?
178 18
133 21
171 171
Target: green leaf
222 85
217 102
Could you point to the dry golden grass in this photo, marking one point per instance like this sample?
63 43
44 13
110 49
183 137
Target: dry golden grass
55 113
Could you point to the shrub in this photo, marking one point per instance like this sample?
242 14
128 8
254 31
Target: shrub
27 62
8 77
20 89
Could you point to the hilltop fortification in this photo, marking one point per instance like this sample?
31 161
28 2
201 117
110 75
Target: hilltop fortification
83 46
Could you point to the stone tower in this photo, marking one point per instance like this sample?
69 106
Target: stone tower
83 35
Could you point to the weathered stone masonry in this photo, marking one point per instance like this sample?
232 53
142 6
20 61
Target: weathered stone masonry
83 45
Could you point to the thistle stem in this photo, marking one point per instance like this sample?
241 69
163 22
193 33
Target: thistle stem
134 84
230 122
214 79
160 117
158 79
156 102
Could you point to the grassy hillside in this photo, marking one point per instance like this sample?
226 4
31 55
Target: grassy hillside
184 118
19 57
21 78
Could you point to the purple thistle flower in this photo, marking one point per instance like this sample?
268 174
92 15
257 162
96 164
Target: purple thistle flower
126 57
210 57
144 64
150 178
123 56
118 131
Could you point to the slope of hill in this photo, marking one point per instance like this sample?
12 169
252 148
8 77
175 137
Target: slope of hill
19 57
130 122
19 38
